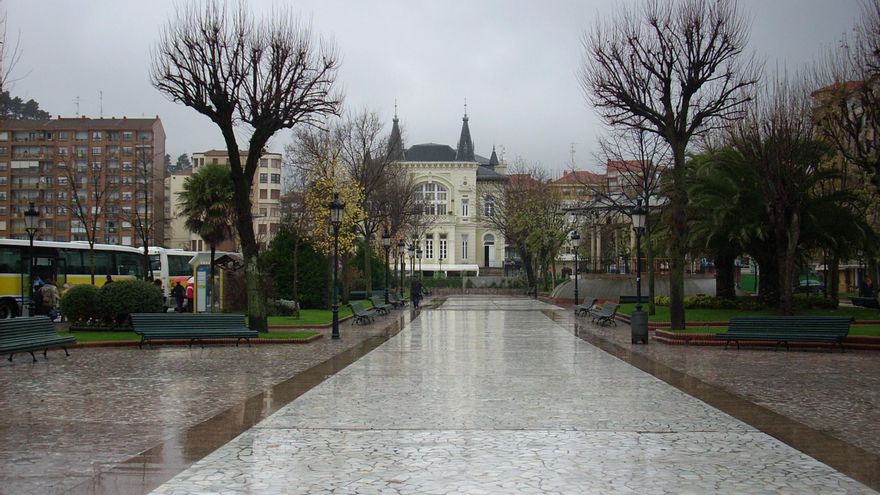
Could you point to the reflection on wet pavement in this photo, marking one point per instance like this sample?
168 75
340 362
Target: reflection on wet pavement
488 395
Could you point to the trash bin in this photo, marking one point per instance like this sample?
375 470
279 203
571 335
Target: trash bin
638 323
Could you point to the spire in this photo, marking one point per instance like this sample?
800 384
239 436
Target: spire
493 160
395 141
465 152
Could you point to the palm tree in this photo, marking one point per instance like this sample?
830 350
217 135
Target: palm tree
207 204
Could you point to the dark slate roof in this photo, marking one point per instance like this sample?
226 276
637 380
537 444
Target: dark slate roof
395 143
430 152
465 151
493 160
486 173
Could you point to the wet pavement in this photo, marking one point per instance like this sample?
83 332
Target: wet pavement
489 395
124 420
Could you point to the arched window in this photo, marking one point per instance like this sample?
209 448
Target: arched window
489 206
433 198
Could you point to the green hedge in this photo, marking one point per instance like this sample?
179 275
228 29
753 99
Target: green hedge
747 303
118 300
80 303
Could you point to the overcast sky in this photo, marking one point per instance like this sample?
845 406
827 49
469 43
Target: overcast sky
514 61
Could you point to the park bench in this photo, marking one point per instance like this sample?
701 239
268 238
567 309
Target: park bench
31 334
785 329
632 299
380 305
604 313
865 302
395 299
586 306
362 313
195 327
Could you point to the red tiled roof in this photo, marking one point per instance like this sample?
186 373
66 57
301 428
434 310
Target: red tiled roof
624 166
79 123
579 177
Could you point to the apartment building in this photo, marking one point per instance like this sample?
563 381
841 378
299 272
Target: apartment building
265 193
176 234
110 170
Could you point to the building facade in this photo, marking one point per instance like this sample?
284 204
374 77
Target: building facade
265 193
453 187
176 234
84 175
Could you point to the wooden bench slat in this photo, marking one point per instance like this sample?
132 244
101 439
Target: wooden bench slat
785 329
28 334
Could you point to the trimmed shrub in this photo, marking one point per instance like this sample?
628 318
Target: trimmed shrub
80 303
118 300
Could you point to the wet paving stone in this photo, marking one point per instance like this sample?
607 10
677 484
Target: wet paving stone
488 395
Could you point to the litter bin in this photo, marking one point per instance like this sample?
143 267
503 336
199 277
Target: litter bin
638 323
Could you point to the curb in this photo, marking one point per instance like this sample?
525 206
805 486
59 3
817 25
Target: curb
861 342
136 343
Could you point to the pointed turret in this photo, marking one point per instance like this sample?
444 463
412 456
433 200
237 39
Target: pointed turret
395 141
493 160
465 151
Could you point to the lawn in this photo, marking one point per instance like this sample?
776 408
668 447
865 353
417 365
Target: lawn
131 336
872 330
310 317
695 315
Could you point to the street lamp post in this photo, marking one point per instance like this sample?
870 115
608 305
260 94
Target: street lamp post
412 261
575 242
419 256
31 225
401 251
639 320
386 244
336 209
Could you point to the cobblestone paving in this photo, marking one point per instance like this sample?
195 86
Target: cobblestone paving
490 396
832 392
63 420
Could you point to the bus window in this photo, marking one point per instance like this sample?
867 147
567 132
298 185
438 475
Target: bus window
178 265
74 261
10 259
155 264
103 262
129 264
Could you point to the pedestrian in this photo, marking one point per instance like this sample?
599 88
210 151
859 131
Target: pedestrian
49 299
415 292
177 294
866 288
108 280
190 295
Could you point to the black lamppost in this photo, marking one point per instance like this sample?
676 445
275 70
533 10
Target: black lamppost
412 260
639 320
401 251
575 242
419 256
336 209
386 244
31 226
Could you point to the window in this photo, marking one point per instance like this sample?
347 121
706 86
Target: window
264 178
2 181
443 247
261 229
126 166
263 212
2 195
113 136
62 180
81 136
96 135
127 151
96 165
276 194
276 178
264 163
4 166
126 196
432 197
429 246
96 150
263 194
464 246
127 136
62 194
489 206
464 207
63 135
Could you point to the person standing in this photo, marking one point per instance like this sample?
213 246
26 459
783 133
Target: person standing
415 292
108 280
49 296
178 294
866 288
190 297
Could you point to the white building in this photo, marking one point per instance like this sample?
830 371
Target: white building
449 183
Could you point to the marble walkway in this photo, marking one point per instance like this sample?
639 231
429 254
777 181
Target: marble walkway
488 396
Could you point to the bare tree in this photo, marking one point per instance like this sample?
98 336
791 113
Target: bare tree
256 77
89 192
675 69
142 216
10 54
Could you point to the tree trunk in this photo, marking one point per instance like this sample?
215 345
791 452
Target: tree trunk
649 259
211 290
295 291
788 263
725 276
832 288
368 273
91 261
677 238
768 280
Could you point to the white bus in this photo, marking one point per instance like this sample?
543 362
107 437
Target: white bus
170 265
64 262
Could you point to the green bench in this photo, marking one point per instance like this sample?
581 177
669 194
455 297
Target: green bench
785 329
604 313
380 305
362 313
31 334
396 300
195 327
585 307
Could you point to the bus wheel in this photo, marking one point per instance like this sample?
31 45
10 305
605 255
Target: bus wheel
7 310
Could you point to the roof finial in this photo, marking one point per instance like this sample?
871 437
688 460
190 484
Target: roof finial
395 109
465 109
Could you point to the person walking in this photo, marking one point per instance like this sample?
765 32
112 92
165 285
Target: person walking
108 280
415 292
178 294
49 298
866 288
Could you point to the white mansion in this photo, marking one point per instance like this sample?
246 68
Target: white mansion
449 184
